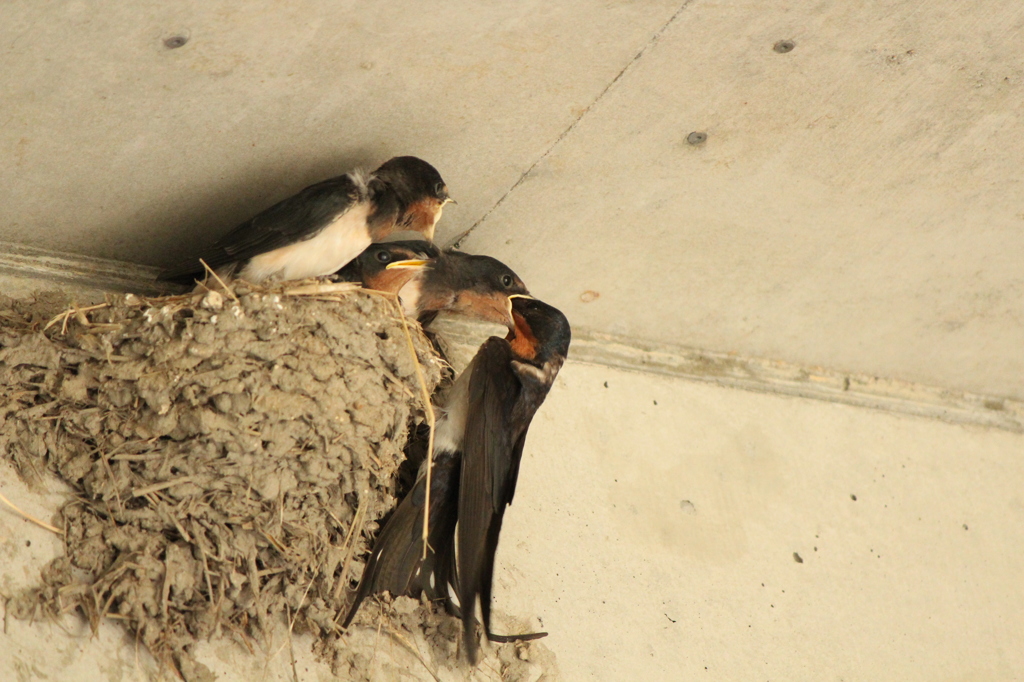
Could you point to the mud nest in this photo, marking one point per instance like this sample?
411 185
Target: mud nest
230 454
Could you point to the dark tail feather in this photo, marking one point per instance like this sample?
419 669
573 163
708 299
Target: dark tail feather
487 573
468 584
479 583
526 637
384 569
396 564
501 639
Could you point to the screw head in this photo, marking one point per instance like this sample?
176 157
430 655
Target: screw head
696 138
784 46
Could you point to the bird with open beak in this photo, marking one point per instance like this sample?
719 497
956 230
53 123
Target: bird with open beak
478 446
428 281
326 225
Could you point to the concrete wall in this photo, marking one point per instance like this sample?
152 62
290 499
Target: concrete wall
658 523
853 220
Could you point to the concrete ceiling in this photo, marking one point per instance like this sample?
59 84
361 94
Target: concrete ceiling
857 203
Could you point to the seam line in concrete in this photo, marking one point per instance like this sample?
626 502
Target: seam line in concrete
97 273
655 37
775 377
607 350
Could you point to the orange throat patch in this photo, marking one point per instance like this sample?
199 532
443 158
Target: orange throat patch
523 342
391 281
422 216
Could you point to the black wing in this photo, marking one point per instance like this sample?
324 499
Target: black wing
488 467
291 220
396 564
534 391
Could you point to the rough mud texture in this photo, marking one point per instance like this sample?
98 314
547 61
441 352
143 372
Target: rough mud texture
231 460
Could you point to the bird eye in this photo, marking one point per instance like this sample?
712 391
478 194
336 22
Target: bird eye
383 257
507 281
439 190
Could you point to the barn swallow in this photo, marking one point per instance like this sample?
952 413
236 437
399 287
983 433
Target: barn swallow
478 446
428 281
326 225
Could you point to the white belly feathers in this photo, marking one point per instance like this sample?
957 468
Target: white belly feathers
331 249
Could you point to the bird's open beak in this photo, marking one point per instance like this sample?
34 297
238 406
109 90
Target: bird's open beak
411 264
511 324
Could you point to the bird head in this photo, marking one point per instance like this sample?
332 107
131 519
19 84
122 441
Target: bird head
420 190
482 286
540 331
